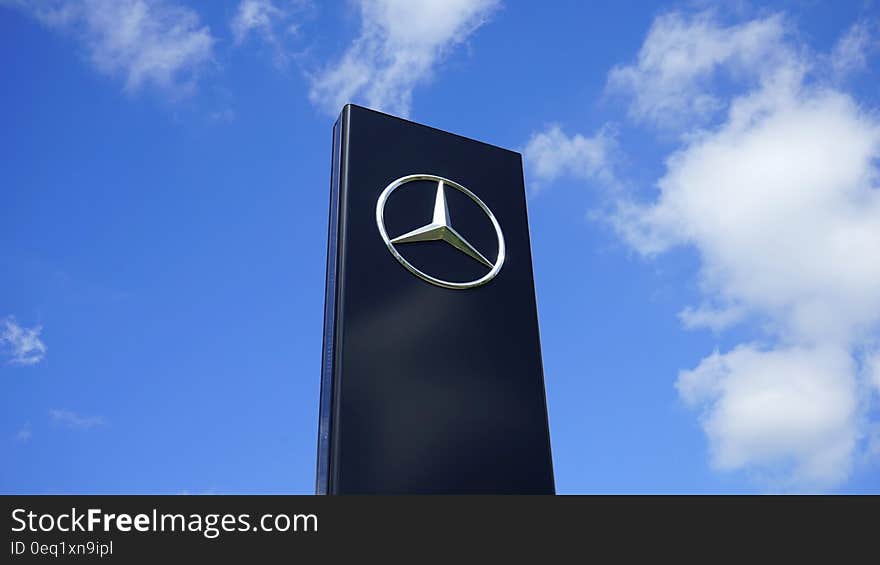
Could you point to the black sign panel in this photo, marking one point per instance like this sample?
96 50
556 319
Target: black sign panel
432 378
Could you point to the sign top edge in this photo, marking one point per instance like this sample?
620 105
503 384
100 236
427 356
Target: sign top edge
364 108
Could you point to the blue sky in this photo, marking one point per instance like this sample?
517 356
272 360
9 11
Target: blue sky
704 208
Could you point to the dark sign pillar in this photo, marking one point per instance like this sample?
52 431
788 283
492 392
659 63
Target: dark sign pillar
432 379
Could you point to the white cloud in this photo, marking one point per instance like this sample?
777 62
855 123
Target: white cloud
782 203
21 345
400 43
153 42
789 413
551 154
680 57
74 420
776 185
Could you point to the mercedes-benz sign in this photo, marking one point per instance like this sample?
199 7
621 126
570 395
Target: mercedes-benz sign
432 380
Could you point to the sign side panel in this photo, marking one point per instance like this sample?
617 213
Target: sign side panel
542 385
330 296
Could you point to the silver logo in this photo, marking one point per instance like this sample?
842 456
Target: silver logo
440 229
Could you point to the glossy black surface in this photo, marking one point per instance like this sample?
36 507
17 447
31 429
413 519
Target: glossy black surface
428 389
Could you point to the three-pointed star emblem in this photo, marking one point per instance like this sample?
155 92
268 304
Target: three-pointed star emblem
440 228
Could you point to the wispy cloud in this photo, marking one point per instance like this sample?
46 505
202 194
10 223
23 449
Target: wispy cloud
74 420
272 22
21 346
156 42
774 184
400 43
224 116
24 435
551 154
850 54
257 17
681 54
